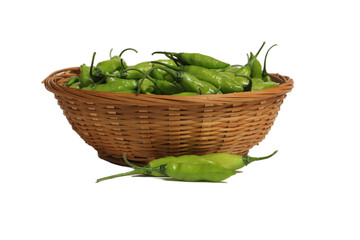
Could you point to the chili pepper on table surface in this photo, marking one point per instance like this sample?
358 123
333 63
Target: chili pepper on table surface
181 171
233 161
229 161
194 59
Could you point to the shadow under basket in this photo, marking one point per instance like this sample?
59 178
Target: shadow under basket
146 127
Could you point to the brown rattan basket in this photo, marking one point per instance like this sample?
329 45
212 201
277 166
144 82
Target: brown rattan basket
146 127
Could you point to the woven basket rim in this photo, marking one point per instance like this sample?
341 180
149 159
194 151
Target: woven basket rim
52 84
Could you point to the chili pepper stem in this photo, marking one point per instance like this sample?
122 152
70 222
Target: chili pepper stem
258 52
143 78
133 172
92 64
264 73
126 49
167 65
146 170
248 159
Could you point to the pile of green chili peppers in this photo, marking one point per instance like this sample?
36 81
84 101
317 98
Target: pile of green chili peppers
181 74
214 167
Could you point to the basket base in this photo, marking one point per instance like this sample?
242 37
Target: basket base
119 161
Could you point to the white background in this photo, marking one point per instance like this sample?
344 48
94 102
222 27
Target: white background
309 190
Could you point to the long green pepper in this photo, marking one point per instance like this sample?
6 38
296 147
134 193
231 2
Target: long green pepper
225 160
181 171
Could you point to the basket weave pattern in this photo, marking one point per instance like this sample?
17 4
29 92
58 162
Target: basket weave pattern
152 126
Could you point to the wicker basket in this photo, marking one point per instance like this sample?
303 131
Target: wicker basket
152 126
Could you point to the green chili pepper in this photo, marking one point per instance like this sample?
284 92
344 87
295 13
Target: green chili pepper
232 69
117 85
188 82
85 78
88 88
259 84
114 63
75 85
168 88
72 79
243 81
256 69
245 70
144 67
233 161
147 86
225 160
254 64
195 59
181 171
109 66
265 75
225 83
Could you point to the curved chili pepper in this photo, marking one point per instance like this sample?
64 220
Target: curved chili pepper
195 59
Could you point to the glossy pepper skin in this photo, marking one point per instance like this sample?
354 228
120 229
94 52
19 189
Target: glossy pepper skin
256 69
259 84
168 88
195 59
196 172
243 81
225 83
116 85
233 161
188 82
109 66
